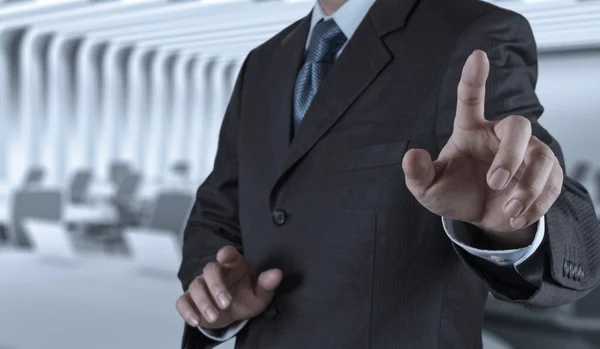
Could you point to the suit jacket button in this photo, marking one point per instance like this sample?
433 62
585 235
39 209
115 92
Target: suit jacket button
569 269
578 273
279 217
571 273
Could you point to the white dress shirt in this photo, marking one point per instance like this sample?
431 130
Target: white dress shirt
348 17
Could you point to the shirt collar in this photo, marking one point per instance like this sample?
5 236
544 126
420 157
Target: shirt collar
347 17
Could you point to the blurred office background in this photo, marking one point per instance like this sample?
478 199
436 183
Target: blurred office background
109 116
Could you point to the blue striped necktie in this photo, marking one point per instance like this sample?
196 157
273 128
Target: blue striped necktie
325 41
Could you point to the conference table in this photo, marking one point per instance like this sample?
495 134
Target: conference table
94 303
90 214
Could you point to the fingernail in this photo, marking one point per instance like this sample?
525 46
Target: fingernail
499 179
518 223
224 300
193 322
514 208
211 315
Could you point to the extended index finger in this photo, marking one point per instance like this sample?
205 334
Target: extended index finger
471 91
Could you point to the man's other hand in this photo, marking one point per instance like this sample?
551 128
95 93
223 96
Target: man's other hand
227 291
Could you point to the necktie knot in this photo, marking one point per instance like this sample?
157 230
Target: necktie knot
325 41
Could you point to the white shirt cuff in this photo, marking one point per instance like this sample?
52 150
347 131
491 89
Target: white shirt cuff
223 334
499 257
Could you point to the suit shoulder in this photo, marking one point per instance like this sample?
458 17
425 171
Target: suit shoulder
267 47
458 15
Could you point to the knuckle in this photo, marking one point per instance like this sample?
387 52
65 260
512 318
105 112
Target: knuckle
180 304
211 268
538 208
203 304
531 190
512 154
229 251
553 192
542 155
470 83
197 293
560 179
226 249
196 283
558 175
519 121
200 299
543 203
471 100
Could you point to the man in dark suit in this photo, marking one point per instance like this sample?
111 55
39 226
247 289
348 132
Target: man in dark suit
326 224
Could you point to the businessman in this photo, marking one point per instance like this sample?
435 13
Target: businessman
326 223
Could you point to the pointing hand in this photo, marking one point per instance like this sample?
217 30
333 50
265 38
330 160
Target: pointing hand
493 174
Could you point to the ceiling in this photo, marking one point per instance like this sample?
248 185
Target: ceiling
233 27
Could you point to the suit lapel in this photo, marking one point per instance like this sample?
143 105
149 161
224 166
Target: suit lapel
363 58
283 69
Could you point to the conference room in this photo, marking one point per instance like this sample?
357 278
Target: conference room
110 119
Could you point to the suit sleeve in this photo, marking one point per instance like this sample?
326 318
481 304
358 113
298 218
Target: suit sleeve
567 260
213 222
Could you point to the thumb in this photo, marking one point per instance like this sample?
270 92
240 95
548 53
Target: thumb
267 282
234 263
419 171
230 257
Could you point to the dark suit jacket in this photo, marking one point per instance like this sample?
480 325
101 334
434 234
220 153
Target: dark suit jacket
365 265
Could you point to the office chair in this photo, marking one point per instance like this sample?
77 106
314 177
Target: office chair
179 176
3 234
170 212
33 203
156 245
118 172
125 197
108 232
110 236
128 186
35 176
181 168
79 186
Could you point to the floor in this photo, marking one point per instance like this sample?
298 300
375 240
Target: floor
98 303
101 302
